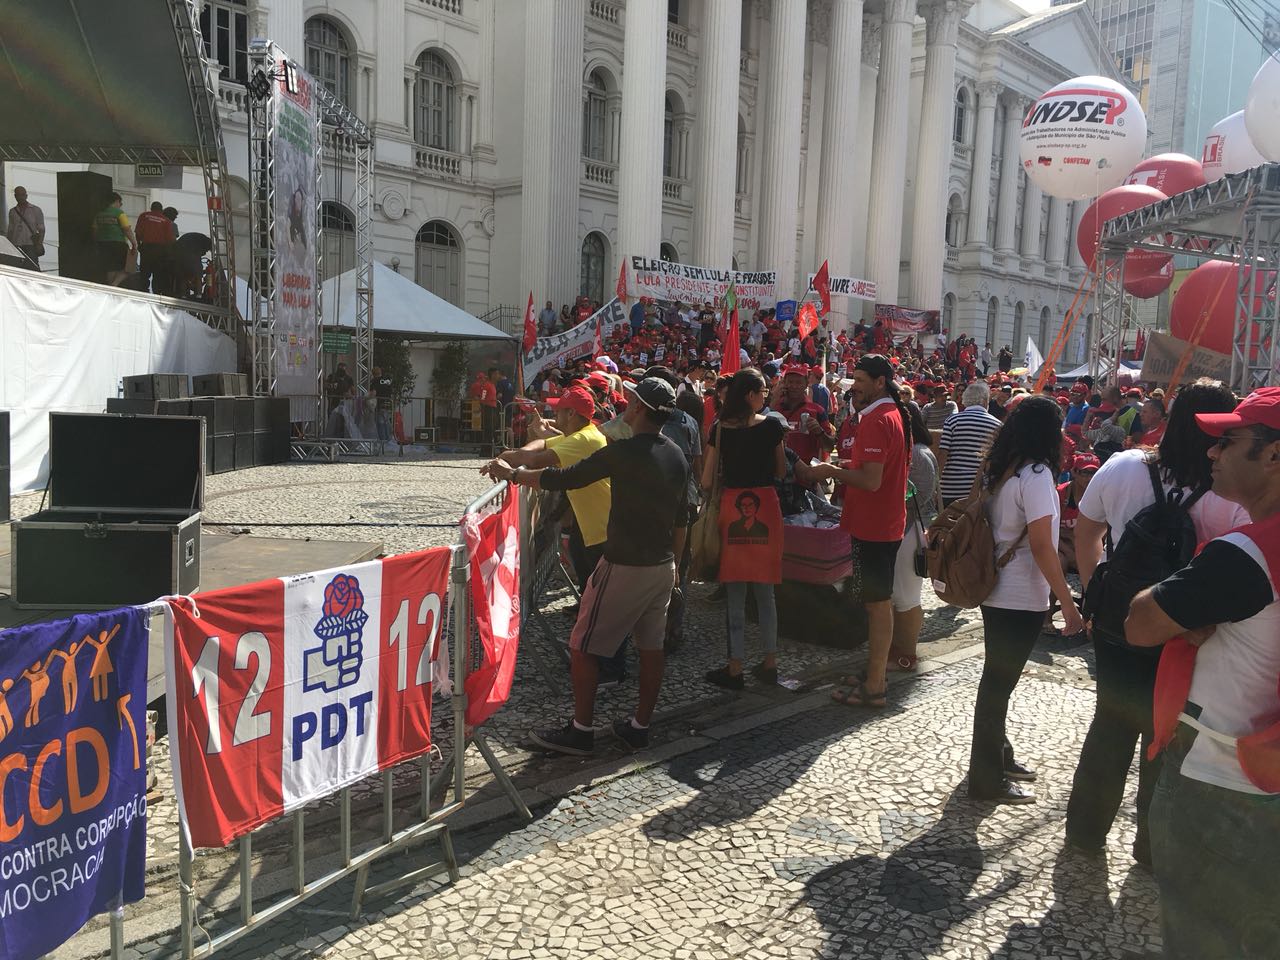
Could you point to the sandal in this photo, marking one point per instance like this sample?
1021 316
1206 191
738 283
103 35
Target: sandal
858 695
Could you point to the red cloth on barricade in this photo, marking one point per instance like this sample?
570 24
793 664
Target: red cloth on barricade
493 542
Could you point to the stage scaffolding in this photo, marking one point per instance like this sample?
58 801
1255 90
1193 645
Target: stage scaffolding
1236 219
340 135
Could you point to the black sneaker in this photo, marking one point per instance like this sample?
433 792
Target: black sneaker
766 675
628 734
567 739
723 678
1016 771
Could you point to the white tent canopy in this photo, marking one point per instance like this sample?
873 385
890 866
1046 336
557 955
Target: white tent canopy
402 307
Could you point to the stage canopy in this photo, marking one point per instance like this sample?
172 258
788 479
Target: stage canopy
402 307
89 81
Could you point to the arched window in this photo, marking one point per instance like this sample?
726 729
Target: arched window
591 270
668 253
668 137
595 119
1019 334
955 222
337 239
993 320
328 56
961 115
1046 318
438 261
949 312
435 104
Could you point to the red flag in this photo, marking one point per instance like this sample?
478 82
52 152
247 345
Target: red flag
621 288
494 543
807 319
530 325
730 362
822 283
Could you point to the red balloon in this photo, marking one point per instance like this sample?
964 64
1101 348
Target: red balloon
1114 203
1169 173
1210 290
1144 286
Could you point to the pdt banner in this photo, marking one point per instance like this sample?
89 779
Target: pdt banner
73 776
284 691
663 280
580 341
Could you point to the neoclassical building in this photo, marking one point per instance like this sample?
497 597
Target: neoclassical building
531 144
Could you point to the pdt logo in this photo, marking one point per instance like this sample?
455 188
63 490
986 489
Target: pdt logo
337 661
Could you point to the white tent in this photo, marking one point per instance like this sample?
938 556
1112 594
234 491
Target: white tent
1128 371
402 307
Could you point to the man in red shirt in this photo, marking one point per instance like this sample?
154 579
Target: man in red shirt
156 234
874 513
811 435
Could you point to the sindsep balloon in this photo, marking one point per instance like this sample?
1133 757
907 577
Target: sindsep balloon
1082 138
1262 109
1228 149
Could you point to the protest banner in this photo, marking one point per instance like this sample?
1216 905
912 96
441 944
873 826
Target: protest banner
903 322
849 287
493 541
284 691
662 280
73 775
1163 353
561 349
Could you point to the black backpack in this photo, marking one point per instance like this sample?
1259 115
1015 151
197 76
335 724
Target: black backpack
1159 540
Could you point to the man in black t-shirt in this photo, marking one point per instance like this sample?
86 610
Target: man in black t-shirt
631 586
383 391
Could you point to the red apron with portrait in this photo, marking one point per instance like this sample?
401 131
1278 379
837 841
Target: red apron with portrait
751 535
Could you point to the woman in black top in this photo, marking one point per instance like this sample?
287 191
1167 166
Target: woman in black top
747 449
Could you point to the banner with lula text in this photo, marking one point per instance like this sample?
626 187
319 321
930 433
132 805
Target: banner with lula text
850 287
1164 353
903 322
662 280
562 348
73 775
493 541
284 691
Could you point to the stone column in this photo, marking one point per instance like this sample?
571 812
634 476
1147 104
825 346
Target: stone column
1078 207
1057 246
644 69
388 78
1032 203
552 163
1010 172
780 176
838 171
980 181
715 148
889 154
933 153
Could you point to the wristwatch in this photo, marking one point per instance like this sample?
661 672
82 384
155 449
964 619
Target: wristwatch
515 475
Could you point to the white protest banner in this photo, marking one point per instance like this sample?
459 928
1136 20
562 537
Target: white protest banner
647 277
851 287
559 349
1164 352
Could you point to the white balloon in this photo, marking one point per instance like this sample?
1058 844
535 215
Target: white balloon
1083 137
1228 149
1262 109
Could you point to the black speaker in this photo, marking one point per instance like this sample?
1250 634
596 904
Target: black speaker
173 408
261 414
4 439
244 450
81 195
156 386
224 453
4 494
219 413
243 417
126 405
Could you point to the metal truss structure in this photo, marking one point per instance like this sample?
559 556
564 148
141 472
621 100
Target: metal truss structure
1235 219
340 133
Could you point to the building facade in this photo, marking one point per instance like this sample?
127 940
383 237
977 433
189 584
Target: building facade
532 145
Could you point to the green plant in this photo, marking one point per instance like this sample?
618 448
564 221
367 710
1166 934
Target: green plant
392 355
449 378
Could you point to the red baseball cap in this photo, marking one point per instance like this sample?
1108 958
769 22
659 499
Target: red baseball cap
599 379
576 399
799 369
1080 388
1084 461
1260 408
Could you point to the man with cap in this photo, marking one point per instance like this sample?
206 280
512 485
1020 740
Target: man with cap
1082 467
1215 813
939 408
811 432
1079 408
631 586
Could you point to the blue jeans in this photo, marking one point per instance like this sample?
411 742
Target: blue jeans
736 595
1214 852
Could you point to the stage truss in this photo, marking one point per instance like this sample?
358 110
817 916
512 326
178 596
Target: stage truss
340 134
1236 219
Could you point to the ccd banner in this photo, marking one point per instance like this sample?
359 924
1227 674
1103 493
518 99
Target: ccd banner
663 280
579 341
284 691
73 777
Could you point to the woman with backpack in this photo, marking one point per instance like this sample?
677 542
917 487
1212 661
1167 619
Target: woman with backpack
1019 477
1122 497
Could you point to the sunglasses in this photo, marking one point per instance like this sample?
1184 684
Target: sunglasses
1227 439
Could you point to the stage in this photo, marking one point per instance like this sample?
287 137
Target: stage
226 561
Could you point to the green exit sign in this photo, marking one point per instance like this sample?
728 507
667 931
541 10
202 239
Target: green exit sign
336 343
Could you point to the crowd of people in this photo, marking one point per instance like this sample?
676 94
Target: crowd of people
1115 487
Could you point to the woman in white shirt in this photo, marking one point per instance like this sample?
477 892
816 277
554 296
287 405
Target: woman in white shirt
1019 476
1126 676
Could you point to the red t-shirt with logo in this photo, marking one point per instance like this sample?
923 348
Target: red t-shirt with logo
805 445
878 515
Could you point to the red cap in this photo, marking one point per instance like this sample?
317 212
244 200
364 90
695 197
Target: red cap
1106 408
799 369
1084 461
816 368
1080 388
575 399
598 379
1260 408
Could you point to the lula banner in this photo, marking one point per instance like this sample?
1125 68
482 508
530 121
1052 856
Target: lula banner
851 287
904 322
1164 353
73 775
662 280
561 348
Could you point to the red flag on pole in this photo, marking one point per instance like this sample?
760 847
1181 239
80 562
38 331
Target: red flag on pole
621 288
822 283
730 362
530 325
807 319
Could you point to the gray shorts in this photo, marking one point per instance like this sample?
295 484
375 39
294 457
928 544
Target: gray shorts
619 600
